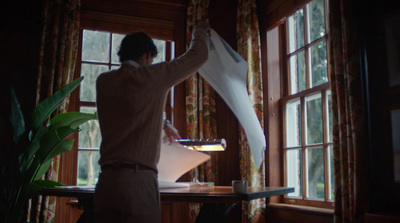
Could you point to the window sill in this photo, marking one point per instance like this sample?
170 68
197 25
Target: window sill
302 208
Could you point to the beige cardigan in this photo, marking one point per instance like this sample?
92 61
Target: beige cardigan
130 103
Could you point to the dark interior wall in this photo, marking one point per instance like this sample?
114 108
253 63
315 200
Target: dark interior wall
379 98
222 18
19 51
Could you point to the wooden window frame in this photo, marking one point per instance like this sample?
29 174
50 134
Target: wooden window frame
287 96
275 56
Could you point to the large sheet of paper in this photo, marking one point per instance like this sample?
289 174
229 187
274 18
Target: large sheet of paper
176 160
226 72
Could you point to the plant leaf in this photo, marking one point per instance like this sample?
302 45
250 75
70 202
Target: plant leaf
44 109
51 139
16 117
71 119
43 168
37 185
63 146
26 158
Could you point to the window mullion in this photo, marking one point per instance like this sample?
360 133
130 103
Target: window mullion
325 140
303 148
306 48
286 49
110 52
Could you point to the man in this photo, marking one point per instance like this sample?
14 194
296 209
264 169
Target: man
130 103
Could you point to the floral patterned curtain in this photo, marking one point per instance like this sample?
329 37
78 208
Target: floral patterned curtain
58 52
200 104
248 45
350 189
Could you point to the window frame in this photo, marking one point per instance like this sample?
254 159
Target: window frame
301 95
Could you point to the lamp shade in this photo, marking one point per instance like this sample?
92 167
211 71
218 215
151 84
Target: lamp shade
204 145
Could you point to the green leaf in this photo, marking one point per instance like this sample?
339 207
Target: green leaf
43 168
51 139
16 117
26 158
71 119
44 109
47 156
37 185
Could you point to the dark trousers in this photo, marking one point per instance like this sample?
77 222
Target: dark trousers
127 195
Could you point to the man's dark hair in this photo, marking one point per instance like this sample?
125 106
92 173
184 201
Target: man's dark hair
134 45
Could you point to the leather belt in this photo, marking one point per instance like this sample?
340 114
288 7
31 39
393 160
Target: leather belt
134 166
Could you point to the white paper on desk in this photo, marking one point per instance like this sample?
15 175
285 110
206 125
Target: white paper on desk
166 184
176 160
226 71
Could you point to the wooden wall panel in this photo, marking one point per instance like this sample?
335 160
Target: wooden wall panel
274 11
278 213
227 125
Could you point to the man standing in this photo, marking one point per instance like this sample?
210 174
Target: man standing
130 103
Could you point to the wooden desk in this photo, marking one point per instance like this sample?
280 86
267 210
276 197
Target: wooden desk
217 201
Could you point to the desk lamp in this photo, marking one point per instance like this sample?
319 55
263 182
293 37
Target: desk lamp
203 145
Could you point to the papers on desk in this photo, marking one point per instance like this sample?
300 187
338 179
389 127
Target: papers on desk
226 71
165 184
176 160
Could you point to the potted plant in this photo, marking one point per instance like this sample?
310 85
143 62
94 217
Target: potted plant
28 152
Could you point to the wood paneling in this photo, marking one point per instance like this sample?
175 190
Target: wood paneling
275 11
272 114
156 28
156 9
381 217
174 212
280 213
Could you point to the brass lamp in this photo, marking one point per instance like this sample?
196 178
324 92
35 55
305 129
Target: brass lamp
204 145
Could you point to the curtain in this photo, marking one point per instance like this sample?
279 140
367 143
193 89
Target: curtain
248 45
348 147
200 105
58 53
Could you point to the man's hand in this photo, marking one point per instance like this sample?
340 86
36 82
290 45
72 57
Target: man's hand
171 133
204 25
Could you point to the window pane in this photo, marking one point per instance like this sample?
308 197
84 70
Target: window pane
313 114
172 50
297 72
329 111
89 136
88 168
293 123
331 174
315 173
88 85
318 64
115 67
96 46
296 31
161 51
116 42
316 18
294 171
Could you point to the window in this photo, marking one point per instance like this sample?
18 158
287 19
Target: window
99 54
307 119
